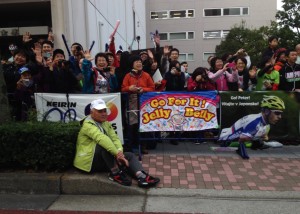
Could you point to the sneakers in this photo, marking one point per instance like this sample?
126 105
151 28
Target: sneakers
120 178
148 181
259 145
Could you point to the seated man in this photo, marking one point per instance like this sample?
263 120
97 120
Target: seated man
99 148
254 127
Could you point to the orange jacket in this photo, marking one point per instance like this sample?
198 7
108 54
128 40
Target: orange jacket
142 79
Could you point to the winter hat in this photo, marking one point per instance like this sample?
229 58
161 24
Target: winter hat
58 51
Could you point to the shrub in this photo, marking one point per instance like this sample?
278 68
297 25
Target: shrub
38 145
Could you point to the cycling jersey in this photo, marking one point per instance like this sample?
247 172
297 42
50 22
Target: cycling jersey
253 126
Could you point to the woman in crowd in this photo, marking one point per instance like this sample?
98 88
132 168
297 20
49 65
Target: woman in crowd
199 81
220 75
135 82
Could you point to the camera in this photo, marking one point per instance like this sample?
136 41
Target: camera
178 69
78 48
107 69
62 63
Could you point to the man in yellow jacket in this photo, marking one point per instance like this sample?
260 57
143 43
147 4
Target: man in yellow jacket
99 148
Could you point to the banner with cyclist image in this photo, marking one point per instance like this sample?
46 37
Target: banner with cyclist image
284 122
178 111
74 107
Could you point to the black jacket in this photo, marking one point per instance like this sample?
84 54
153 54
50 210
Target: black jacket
289 77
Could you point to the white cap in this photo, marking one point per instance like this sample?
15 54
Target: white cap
98 104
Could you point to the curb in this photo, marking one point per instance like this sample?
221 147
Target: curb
30 183
68 183
226 194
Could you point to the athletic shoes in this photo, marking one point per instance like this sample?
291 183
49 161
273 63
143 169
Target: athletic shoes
148 181
120 178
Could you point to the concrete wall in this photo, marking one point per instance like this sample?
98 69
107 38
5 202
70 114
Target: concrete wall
85 21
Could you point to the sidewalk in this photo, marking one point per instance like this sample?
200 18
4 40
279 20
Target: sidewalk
185 166
192 177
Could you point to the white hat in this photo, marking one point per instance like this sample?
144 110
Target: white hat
98 104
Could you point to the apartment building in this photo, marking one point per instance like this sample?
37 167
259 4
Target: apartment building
195 27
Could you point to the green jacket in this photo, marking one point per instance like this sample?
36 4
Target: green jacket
90 135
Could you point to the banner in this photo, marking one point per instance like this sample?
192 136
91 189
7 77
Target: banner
57 107
178 111
235 105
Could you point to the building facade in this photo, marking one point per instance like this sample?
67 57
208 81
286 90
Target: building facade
195 27
82 21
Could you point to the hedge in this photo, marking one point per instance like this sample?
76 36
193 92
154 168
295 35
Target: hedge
38 146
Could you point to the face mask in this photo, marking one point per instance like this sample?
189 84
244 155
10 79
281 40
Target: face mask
27 82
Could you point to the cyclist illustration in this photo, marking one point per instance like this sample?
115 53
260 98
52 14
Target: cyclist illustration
254 127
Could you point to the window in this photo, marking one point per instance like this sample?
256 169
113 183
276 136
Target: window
163 36
212 34
159 15
177 35
212 12
186 57
225 33
245 11
178 14
190 35
207 54
231 11
190 14
173 14
234 11
217 34
174 36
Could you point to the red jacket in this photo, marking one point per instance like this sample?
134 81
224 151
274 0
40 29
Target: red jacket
192 85
142 79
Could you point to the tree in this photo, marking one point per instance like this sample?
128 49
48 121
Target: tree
290 15
255 41
252 40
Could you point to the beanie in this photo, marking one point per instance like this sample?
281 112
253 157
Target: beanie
58 51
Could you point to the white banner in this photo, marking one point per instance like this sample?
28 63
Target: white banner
59 107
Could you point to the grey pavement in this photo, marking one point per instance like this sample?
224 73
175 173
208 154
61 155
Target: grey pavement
75 191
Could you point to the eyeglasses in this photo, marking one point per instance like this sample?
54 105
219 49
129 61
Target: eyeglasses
276 112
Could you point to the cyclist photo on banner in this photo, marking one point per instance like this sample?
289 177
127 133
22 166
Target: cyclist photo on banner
254 127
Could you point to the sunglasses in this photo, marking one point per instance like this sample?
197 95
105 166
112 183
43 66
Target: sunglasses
276 112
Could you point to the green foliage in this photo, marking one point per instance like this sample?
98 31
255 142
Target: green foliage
290 15
38 145
252 41
255 41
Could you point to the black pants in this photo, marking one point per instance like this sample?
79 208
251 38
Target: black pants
104 161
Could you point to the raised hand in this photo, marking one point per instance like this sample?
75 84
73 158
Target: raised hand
51 36
38 52
87 55
166 50
26 37
150 54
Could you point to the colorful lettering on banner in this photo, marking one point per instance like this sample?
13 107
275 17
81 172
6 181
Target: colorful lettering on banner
178 111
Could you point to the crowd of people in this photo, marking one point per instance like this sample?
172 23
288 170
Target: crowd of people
38 67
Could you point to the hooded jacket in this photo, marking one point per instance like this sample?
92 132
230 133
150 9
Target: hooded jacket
89 136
